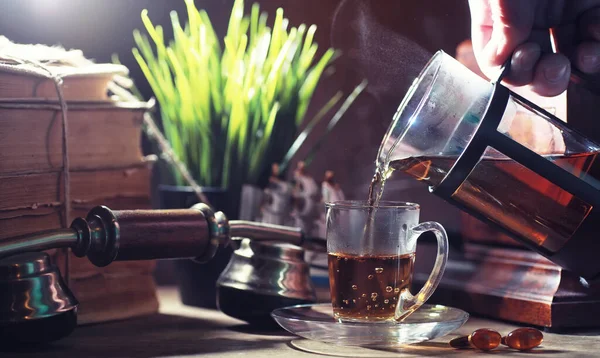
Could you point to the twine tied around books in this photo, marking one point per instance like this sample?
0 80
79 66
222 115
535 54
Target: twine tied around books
58 81
152 131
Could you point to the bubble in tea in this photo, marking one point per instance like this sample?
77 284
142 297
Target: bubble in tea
364 284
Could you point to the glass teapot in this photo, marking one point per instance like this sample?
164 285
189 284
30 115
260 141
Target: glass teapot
500 158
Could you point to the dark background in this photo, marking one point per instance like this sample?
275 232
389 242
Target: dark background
387 42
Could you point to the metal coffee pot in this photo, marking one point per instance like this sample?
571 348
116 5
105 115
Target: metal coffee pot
266 271
262 276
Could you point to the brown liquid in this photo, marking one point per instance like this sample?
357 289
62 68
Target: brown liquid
508 194
367 287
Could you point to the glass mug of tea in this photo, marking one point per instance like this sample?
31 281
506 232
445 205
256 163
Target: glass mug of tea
371 253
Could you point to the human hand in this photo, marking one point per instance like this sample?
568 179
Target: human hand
520 28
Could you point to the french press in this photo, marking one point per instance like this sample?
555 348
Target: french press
500 158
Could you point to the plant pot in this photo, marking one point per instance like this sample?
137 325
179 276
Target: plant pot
197 282
250 202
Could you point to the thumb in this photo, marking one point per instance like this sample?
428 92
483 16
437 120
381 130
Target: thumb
497 28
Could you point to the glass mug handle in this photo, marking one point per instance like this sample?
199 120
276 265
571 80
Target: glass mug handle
407 303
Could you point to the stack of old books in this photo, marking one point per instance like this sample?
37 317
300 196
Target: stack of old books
104 163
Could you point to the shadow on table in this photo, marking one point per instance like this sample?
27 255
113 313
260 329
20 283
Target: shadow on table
156 335
426 349
263 330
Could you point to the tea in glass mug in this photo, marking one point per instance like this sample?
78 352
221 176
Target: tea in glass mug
371 253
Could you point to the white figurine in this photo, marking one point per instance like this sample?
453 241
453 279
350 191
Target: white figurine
277 206
306 200
330 192
330 189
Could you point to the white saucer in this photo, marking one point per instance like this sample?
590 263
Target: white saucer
316 322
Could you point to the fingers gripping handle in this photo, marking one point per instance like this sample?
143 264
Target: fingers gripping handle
407 302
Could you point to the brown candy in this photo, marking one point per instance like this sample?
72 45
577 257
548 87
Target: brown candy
485 339
523 339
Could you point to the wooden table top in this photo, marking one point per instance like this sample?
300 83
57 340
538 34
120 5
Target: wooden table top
181 331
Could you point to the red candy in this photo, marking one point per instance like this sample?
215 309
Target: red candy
523 339
485 339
